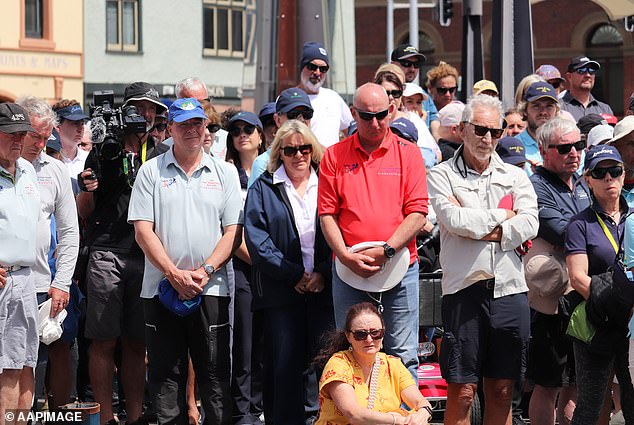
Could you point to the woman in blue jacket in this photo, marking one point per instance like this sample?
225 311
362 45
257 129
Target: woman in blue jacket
291 272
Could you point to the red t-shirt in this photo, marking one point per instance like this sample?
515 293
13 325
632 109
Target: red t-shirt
371 195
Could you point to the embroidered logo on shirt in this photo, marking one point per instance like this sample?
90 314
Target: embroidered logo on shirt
168 182
210 185
350 168
389 172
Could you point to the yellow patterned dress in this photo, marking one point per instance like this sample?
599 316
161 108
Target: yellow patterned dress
393 379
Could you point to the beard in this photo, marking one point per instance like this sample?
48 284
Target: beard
310 86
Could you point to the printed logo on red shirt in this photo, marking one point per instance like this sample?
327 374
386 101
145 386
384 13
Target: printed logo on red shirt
350 168
389 172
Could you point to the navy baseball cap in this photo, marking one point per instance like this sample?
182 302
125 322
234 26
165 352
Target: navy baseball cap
539 90
248 117
352 128
511 150
186 109
290 99
14 118
313 50
72 113
599 153
267 111
54 142
405 129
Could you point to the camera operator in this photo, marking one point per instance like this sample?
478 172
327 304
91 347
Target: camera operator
115 265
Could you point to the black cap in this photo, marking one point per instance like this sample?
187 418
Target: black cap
406 51
581 62
588 122
14 119
143 91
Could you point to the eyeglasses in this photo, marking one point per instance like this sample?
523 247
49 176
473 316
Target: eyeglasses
247 129
367 116
599 173
214 128
292 150
160 127
394 93
408 64
444 90
586 70
482 131
566 148
362 335
312 67
306 114
555 83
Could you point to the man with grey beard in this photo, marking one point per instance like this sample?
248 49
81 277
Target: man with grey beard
332 115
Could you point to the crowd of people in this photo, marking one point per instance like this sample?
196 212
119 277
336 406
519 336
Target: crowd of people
242 268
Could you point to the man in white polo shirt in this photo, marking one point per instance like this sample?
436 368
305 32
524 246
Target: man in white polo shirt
187 214
19 210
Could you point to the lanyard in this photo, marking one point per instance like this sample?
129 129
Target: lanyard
607 233
130 158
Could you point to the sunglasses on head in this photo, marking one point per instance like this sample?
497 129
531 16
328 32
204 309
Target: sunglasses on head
566 148
292 150
306 114
247 129
367 116
482 131
362 335
160 127
444 90
213 128
599 173
394 93
586 70
408 64
322 68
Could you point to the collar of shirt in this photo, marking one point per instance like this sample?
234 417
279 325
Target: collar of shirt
495 163
42 158
385 145
623 206
555 180
280 176
204 162
568 98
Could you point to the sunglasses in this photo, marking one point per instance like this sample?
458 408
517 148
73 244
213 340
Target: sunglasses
160 127
586 70
394 93
214 128
408 64
599 173
444 90
482 131
247 129
312 67
555 83
363 335
564 149
292 150
306 114
367 116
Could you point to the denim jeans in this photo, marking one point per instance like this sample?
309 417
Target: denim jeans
400 313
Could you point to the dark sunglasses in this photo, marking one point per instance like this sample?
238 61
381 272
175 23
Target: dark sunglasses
408 64
394 93
160 127
444 90
564 149
482 131
363 335
292 150
248 130
306 114
599 173
312 67
586 70
367 116
215 127
555 83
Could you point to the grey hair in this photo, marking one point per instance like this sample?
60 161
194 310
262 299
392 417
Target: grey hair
39 108
190 83
555 127
482 101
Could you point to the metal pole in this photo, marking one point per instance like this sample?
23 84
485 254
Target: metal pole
390 29
472 56
413 23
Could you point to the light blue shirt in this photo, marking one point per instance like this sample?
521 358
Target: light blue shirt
259 166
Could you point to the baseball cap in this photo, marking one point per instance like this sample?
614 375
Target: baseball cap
598 134
484 85
511 150
54 142
267 111
599 153
14 118
549 72
609 118
451 114
313 50
405 129
248 117
352 128
588 122
582 62
186 109
547 280
406 51
623 128
290 99
170 300
540 90
411 89
72 113
143 91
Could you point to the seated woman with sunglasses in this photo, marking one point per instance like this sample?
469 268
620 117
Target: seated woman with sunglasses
292 272
593 239
360 384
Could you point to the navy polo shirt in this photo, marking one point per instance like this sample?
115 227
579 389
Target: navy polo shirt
584 235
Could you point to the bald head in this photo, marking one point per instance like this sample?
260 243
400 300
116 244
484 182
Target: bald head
370 94
372 112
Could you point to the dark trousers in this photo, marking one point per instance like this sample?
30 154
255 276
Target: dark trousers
170 339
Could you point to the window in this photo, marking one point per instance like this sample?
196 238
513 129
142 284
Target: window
224 23
122 25
36 25
33 18
604 44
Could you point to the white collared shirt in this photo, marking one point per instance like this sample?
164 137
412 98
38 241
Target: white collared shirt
75 166
304 211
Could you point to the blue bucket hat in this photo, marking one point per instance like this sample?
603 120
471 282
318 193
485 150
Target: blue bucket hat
72 113
169 298
511 150
599 153
290 99
405 129
313 50
248 117
186 109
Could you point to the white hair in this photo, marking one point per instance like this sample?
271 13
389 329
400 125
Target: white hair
39 108
189 84
482 101
552 128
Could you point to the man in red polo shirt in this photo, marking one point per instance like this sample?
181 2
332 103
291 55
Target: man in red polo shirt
372 187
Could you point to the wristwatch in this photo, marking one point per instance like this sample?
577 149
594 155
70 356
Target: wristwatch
389 251
209 269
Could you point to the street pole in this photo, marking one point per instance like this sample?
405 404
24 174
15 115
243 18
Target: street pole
472 56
